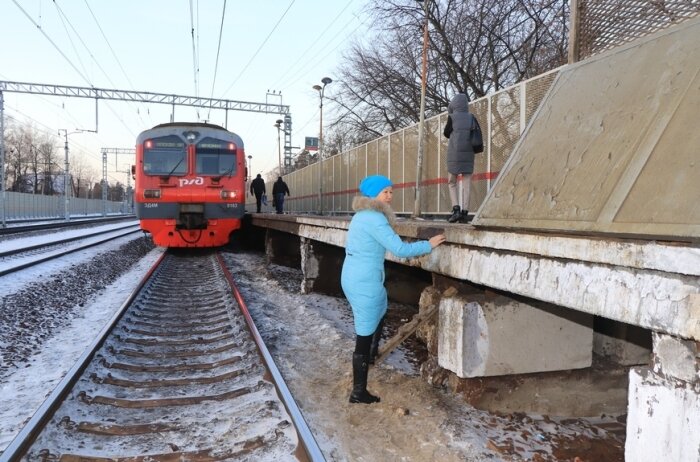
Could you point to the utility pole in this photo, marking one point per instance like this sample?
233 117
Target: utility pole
66 182
2 157
105 184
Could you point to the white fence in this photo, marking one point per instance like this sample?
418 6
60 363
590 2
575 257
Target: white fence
503 117
24 206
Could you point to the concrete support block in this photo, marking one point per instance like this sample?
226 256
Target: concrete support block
663 420
282 248
481 337
621 343
675 358
320 266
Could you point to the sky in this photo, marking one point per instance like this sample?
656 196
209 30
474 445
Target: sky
266 48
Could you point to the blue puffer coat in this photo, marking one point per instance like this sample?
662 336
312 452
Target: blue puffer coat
369 237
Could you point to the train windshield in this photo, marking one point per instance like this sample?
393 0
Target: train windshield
165 156
215 157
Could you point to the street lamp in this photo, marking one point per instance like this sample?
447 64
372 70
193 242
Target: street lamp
278 124
421 123
325 81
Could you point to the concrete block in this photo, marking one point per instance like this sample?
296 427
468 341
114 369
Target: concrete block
502 336
676 358
622 343
320 267
663 420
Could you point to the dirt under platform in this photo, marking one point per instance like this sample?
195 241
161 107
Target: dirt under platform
311 338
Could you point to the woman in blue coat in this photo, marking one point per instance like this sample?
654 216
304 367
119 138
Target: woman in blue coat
369 237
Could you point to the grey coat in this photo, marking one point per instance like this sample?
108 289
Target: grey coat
460 154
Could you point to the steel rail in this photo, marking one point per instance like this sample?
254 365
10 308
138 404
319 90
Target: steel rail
57 225
8 253
305 436
24 439
60 254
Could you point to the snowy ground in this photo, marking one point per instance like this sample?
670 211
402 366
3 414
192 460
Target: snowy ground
311 338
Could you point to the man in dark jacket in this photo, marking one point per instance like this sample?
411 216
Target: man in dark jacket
279 189
460 153
257 187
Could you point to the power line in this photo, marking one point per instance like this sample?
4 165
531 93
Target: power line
304 54
195 69
260 47
218 49
104 36
63 19
52 42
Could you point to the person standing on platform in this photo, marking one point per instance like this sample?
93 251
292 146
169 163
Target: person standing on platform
460 128
257 188
279 189
369 236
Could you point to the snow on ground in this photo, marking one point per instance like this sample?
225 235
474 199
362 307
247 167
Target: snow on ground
13 241
311 338
31 367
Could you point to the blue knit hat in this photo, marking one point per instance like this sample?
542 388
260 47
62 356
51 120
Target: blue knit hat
373 185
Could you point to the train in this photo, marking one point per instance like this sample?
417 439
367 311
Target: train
189 184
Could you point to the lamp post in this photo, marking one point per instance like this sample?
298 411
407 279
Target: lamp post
421 123
321 89
278 124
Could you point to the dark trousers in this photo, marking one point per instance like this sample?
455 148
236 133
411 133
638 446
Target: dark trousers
279 202
363 343
258 201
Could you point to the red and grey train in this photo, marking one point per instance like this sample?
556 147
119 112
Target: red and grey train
190 184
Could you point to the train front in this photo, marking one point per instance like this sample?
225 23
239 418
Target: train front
190 184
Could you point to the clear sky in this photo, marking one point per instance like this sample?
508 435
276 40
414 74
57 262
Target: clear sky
283 46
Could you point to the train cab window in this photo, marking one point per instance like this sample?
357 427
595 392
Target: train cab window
166 155
215 157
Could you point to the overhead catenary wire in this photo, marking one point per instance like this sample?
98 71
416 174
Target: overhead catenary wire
218 50
64 19
52 43
313 44
70 62
195 67
259 48
116 58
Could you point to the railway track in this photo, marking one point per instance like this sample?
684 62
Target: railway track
25 226
180 374
22 257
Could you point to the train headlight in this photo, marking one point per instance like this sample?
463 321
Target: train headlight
151 193
229 194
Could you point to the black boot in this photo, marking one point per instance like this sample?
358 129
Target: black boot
360 368
374 349
465 217
456 215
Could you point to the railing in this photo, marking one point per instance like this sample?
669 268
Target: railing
503 116
24 206
600 25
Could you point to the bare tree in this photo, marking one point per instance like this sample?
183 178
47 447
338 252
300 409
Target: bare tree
82 174
474 47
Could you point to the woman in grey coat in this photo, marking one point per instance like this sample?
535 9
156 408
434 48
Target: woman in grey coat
460 153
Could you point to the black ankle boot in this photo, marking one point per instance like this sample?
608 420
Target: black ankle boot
360 368
374 349
465 217
456 215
